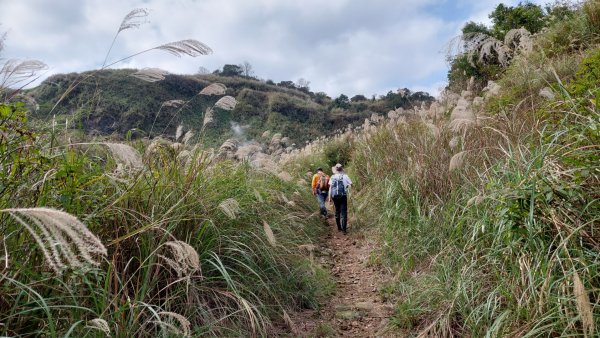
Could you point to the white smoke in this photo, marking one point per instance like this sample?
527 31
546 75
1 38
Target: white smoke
238 130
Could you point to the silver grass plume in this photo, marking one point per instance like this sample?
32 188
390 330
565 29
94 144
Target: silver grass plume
457 161
181 257
209 117
226 103
519 40
150 74
14 71
582 302
187 137
189 47
184 324
125 154
134 19
178 132
230 207
173 103
214 89
63 239
269 234
99 324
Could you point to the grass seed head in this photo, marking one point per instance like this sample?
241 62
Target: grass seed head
214 89
64 240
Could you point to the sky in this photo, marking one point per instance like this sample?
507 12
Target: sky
340 46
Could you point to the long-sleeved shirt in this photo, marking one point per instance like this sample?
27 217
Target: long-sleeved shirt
345 179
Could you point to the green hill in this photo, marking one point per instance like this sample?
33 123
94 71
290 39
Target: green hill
114 102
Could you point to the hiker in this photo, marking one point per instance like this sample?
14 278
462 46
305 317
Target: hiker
338 193
320 187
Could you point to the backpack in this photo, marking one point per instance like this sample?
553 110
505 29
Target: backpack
336 184
323 184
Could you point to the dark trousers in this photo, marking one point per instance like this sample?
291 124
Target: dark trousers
341 212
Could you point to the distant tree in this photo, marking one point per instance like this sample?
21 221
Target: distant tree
202 71
358 98
247 69
270 82
232 70
303 84
322 98
287 84
342 101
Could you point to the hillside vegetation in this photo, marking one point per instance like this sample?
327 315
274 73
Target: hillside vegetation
115 102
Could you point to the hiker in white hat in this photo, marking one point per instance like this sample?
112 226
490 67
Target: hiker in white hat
339 183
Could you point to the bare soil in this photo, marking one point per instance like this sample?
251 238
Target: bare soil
356 309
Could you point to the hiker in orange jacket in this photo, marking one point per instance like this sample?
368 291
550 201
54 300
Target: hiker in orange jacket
320 189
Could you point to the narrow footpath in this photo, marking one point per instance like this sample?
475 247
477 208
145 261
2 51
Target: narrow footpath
356 309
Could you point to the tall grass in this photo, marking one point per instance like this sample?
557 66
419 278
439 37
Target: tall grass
242 283
492 229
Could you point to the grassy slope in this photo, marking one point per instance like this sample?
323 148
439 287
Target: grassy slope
112 101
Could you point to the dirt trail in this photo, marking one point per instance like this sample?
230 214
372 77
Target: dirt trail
356 309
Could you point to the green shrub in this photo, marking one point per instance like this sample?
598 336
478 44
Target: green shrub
587 78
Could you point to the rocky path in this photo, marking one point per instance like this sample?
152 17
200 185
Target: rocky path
356 309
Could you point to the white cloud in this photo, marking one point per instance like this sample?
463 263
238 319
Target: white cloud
340 46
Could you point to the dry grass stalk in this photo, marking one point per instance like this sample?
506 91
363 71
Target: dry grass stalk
99 324
182 258
209 117
475 200
230 207
173 103
189 47
184 324
214 89
269 234
519 40
187 137
226 103
454 142
150 74
460 125
285 176
582 301
457 161
125 154
15 71
178 132
63 239
134 19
